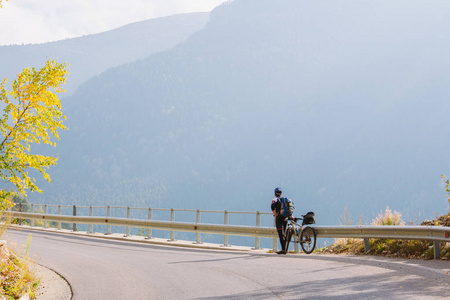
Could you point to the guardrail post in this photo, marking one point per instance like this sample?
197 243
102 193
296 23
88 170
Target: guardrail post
32 211
225 222
275 240
437 253
20 210
258 224
108 214
74 214
149 235
366 245
128 216
59 213
91 213
197 221
172 219
45 212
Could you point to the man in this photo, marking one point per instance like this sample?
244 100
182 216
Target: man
280 222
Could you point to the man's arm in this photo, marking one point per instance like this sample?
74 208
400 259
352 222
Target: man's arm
275 208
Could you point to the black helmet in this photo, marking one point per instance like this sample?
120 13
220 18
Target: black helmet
278 192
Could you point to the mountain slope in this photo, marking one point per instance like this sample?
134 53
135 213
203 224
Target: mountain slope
339 102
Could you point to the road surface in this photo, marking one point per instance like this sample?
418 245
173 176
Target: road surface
105 269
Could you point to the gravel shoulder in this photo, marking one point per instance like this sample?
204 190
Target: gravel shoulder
52 285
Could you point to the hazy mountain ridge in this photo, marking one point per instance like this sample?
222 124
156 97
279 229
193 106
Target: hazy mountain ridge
337 102
92 54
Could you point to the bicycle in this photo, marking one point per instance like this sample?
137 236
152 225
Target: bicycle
304 235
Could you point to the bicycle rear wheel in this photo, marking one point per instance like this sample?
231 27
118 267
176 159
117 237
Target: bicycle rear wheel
289 232
308 240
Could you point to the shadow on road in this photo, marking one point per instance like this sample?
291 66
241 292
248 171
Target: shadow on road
355 287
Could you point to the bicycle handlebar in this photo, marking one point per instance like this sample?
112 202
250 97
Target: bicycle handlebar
294 219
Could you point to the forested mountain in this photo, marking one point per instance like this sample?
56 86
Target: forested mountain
92 54
338 102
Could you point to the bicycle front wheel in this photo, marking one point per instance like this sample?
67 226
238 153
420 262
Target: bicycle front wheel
308 240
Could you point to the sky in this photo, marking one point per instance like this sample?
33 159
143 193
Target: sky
40 21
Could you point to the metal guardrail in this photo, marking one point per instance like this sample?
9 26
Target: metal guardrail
430 233
252 231
45 208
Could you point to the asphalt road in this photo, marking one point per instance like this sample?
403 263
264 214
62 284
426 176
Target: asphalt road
105 269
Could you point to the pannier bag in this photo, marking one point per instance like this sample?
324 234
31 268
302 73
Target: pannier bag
309 218
287 207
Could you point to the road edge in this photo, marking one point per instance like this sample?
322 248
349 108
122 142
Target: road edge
52 284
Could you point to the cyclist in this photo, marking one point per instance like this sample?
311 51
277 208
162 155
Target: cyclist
280 222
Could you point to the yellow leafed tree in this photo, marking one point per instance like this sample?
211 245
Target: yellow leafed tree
31 115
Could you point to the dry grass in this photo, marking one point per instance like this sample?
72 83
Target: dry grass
388 218
15 276
440 221
16 279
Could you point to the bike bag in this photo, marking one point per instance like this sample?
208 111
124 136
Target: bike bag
309 218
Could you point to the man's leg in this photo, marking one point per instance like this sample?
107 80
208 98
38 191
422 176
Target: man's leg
281 236
281 228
